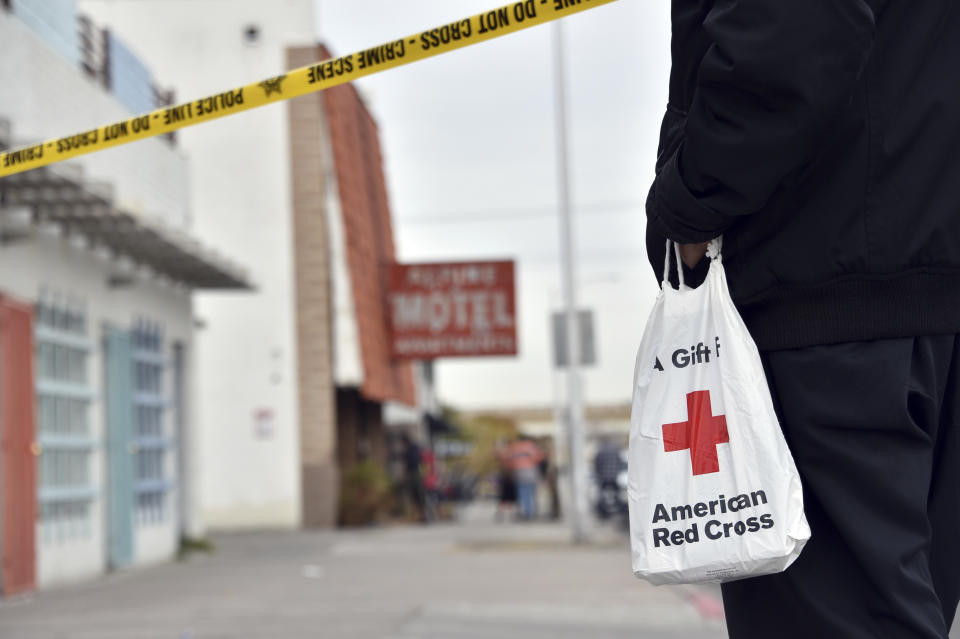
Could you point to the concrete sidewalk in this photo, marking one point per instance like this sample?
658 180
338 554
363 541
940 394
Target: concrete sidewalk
473 580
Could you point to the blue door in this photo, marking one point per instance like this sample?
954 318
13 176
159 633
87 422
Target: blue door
120 451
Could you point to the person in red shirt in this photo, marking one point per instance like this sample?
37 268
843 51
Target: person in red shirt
523 457
428 470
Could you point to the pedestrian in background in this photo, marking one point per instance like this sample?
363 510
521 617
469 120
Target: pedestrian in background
506 486
431 483
607 466
412 460
523 458
821 139
607 463
551 478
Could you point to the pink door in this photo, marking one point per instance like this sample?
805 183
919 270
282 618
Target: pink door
17 447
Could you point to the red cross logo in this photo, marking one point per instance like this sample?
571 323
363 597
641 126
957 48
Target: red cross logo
700 434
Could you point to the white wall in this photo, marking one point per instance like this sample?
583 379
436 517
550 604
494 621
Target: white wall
240 181
45 96
57 265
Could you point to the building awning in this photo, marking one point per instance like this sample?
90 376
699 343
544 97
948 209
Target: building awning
58 195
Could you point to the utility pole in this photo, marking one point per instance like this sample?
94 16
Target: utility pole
574 412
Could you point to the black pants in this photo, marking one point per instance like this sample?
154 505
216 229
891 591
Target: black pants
874 428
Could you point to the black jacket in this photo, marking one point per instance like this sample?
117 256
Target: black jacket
822 139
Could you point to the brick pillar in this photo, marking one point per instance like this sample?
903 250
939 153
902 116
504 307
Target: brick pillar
319 474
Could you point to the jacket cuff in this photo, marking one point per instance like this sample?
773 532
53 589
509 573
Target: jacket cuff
677 213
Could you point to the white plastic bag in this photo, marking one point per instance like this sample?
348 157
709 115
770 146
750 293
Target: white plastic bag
713 491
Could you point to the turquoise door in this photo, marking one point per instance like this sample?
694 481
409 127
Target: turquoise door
120 453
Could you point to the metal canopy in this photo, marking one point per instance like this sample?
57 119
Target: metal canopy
58 195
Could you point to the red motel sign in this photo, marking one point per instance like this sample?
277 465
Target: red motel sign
457 309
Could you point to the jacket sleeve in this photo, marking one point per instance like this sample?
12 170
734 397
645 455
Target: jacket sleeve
775 76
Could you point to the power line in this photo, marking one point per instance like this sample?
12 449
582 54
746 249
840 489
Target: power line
639 256
547 212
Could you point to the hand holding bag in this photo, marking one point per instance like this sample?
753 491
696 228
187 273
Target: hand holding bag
713 491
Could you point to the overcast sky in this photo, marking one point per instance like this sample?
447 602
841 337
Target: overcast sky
468 140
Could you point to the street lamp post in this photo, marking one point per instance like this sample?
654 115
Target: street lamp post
574 412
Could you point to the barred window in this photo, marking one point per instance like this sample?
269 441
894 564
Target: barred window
150 412
63 395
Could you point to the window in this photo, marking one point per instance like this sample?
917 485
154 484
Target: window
63 394
53 22
150 430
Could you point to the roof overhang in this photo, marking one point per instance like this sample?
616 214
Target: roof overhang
58 195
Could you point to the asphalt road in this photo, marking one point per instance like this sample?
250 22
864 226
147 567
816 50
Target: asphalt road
475 580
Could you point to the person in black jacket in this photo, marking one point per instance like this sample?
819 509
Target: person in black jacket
821 139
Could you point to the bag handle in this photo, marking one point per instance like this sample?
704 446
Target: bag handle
714 252
665 282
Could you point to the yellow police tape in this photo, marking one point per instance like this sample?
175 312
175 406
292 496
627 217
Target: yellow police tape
316 77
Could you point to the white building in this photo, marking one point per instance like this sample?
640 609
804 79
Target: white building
241 198
97 341
293 379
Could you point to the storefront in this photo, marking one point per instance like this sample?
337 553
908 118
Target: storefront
96 345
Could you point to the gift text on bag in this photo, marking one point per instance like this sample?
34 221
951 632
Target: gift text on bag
713 529
698 354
